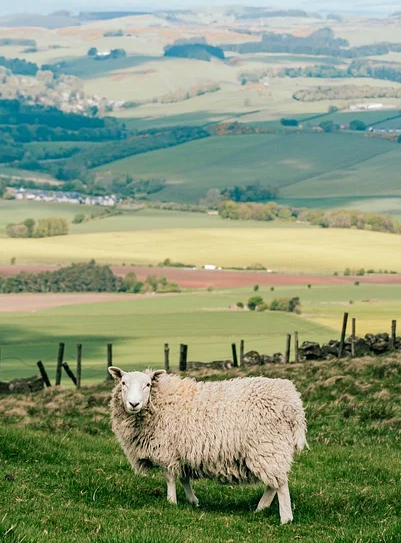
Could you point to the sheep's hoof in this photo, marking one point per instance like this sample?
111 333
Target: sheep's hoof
286 520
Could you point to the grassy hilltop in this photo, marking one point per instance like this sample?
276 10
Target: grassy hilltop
65 479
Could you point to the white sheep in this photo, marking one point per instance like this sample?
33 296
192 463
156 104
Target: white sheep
242 430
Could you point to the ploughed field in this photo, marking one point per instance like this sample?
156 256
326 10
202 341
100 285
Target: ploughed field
65 479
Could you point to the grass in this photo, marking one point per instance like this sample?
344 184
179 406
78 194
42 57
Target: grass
296 163
290 249
203 320
13 211
65 479
138 330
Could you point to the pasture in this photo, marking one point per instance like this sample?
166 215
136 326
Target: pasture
65 478
282 249
296 163
205 321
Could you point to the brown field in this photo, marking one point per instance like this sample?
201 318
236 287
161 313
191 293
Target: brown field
199 278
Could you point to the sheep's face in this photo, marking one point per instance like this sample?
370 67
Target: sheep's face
135 387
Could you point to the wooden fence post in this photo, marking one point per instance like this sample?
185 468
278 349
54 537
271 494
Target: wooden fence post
288 349
167 358
183 357
235 358
343 332
296 347
109 360
353 335
60 357
393 333
241 352
43 373
69 372
79 364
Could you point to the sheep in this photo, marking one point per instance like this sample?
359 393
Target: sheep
242 430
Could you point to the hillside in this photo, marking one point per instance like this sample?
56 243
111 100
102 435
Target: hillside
83 486
301 165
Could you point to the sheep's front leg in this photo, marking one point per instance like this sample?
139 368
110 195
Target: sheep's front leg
189 493
171 488
266 499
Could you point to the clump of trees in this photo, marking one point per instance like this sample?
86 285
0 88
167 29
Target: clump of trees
43 228
199 50
250 193
289 305
84 277
254 211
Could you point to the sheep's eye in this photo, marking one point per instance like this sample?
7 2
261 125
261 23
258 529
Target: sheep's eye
148 385
124 384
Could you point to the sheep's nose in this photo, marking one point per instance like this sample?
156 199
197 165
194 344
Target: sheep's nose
133 405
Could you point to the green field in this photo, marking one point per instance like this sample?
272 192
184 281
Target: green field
66 480
203 320
296 163
12 211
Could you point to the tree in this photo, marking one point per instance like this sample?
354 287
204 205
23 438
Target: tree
289 122
30 226
92 52
357 125
254 302
329 126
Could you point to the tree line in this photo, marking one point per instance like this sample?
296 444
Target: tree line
84 277
43 228
320 42
325 219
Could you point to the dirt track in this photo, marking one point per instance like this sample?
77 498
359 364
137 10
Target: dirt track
198 278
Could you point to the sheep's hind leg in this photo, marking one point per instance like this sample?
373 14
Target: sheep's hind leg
189 493
266 499
284 501
171 488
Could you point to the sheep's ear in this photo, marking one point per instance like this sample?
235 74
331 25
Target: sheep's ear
116 373
154 373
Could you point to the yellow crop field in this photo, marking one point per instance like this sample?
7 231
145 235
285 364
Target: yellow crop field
281 249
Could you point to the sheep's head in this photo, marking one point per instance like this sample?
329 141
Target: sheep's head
135 387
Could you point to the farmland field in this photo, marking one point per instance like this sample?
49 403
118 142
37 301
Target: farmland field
281 249
140 326
286 161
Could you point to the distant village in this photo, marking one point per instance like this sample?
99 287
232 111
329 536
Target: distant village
56 196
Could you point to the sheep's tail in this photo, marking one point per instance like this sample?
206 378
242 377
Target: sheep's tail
300 441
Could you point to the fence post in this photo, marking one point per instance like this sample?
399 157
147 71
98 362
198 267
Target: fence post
60 357
69 373
79 364
393 333
288 349
343 332
353 335
296 347
235 358
166 358
43 373
109 360
183 357
241 352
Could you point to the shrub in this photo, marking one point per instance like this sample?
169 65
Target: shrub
290 305
254 302
272 289
240 305
309 286
347 272
255 288
13 261
356 283
360 272
79 217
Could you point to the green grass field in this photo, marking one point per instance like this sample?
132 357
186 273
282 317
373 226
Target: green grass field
298 164
203 320
66 480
